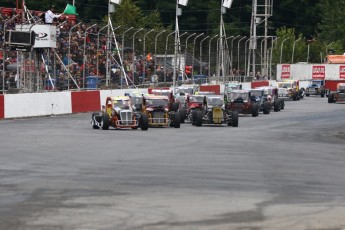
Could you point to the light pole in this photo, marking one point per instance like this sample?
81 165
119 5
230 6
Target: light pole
209 56
229 53
123 41
4 54
108 50
238 52
97 63
281 49
133 48
165 56
293 49
271 57
232 46
218 57
201 53
122 50
262 65
196 37
177 39
186 48
179 53
133 42
156 38
84 56
245 57
144 56
69 51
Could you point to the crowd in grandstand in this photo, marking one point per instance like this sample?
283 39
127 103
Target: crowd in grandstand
95 54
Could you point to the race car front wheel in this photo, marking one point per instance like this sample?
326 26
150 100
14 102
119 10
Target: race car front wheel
105 121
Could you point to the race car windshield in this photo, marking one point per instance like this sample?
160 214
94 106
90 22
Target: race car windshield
137 100
121 104
181 99
256 93
284 85
161 92
233 87
156 102
196 99
215 101
234 96
206 93
185 90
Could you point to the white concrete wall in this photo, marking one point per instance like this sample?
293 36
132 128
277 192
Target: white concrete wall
304 71
246 85
37 104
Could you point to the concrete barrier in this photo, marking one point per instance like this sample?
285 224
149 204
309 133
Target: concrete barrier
2 107
36 104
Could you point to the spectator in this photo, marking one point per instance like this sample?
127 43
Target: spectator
49 16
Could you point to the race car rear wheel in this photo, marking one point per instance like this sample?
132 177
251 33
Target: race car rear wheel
265 108
182 115
331 98
255 110
234 119
198 120
105 121
193 117
177 121
94 118
282 103
276 105
144 121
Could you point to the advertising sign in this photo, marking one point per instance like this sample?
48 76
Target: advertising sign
45 35
319 72
286 71
342 72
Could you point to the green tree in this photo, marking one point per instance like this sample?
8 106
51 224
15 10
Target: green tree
301 15
332 23
127 14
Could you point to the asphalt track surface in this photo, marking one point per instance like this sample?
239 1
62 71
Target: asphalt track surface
285 170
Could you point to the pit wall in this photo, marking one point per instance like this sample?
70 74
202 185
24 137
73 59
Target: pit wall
55 103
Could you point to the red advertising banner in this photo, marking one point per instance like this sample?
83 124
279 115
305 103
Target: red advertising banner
286 71
342 72
319 72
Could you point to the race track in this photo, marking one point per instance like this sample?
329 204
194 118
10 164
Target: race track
280 171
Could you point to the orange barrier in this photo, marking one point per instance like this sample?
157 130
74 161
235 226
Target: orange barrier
255 84
210 88
332 84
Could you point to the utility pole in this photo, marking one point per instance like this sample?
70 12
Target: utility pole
261 11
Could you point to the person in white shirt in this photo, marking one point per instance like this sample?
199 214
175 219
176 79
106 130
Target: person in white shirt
49 16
